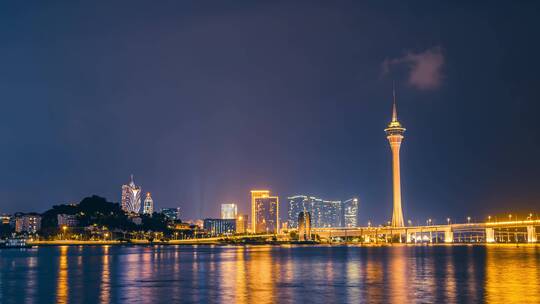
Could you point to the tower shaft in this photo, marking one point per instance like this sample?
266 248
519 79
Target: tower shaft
397 212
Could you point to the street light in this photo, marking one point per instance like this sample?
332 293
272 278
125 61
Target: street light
64 228
448 220
410 222
510 217
468 219
489 218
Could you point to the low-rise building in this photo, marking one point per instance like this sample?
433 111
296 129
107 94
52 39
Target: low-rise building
242 223
172 214
68 220
219 226
4 219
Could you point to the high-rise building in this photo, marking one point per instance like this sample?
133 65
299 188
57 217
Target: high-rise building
242 223
131 197
148 205
350 212
264 212
229 211
172 214
219 226
304 226
394 134
30 223
324 213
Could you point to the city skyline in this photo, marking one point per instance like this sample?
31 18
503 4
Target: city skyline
229 104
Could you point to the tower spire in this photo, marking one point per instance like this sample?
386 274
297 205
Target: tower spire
394 109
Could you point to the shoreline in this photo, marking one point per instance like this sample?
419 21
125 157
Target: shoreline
221 243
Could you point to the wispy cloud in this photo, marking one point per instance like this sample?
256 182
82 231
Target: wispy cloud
425 68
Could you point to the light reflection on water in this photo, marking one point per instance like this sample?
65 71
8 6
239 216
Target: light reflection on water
266 274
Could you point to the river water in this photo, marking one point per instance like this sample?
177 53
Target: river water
270 274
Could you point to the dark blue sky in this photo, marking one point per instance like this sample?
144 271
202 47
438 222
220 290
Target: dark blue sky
204 101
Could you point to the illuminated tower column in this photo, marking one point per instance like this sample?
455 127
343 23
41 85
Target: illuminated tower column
394 133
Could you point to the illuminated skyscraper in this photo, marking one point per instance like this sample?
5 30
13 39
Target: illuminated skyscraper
264 212
148 205
229 211
394 133
131 197
350 212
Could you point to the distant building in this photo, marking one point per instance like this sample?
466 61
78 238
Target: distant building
265 212
350 212
242 223
148 205
131 197
229 211
304 226
30 223
172 214
219 226
137 220
5 219
69 220
324 213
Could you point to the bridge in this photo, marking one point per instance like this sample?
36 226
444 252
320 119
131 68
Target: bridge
489 232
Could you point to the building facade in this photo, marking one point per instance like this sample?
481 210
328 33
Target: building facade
350 212
67 220
173 214
217 227
324 213
131 197
29 223
304 226
242 223
5 219
229 211
265 212
148 205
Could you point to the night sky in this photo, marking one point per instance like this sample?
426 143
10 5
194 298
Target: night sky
203 101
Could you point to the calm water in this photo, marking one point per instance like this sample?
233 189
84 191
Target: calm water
172 274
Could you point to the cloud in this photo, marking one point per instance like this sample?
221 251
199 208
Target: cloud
425 68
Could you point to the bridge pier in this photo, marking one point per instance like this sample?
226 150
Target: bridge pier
531 234
490 235
409 237
448 236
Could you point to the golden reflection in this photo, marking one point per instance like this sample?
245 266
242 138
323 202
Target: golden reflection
450 285
62 282
374 279
240 289
398 275
260 276
512 275
353 273
105 289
